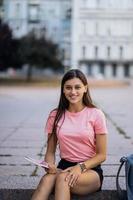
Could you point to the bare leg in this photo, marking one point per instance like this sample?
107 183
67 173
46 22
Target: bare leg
88 182
45 187
62 190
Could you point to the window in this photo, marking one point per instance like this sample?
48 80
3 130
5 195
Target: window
83 51
1 2
96 51
68 13
98 2
84 2
108 51
17 10
121 51
17 28
96 25
84 28
33 13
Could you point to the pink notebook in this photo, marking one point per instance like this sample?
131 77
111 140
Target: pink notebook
40 163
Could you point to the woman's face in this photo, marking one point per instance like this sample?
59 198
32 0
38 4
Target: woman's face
74 90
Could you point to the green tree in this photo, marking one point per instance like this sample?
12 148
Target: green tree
30 49
38 52
8 48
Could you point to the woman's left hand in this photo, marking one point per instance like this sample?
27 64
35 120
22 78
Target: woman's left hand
72 175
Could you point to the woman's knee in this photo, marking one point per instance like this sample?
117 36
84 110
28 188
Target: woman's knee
47 179
60 179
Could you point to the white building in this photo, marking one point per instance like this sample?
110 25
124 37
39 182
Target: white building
102 37
51 16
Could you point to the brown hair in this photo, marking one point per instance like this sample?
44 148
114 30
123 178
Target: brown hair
63 102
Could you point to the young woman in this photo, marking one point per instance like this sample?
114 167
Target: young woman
79 128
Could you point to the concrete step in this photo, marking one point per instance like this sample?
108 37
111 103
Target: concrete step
21 188
25 194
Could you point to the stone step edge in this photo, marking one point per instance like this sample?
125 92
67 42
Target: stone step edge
25 194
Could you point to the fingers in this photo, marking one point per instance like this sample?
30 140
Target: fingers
71 177
52 169
72 180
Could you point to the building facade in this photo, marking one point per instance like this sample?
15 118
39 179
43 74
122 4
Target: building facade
102 37
98 39
53 17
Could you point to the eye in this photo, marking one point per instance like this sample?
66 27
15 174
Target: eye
77 87
68 87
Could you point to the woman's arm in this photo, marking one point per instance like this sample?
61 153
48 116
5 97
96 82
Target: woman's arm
50 154
101 151
51 148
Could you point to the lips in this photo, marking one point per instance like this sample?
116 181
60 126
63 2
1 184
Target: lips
73 97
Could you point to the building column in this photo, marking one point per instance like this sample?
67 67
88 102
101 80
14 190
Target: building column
95 70
108 71
84 68
120 71
131 70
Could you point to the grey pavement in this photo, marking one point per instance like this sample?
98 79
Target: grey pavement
23 114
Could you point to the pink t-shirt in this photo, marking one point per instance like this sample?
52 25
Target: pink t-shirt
77 134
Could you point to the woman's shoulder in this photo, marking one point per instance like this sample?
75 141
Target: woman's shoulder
53 113
95 111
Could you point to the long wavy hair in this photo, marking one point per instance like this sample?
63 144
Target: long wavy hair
64 103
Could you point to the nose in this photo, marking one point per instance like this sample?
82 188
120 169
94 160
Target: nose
73 90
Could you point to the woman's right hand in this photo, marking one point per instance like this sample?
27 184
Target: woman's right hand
52 169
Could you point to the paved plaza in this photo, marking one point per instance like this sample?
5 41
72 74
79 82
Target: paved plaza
23 113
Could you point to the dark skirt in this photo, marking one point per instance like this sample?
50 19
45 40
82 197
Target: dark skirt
64 164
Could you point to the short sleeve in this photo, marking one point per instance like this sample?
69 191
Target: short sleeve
50 122
100 125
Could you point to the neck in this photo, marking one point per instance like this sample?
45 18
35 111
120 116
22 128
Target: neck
76 108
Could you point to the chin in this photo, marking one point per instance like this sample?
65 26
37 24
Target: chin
73 102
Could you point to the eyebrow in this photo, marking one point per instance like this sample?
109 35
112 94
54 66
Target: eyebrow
74 85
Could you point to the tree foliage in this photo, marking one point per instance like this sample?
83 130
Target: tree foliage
8 48
30 49
39 52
